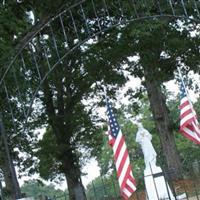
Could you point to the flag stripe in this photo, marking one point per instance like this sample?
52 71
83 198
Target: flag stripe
128 188
186 122
126 192
118 158
186 113
196 129
131 183
118 139
122 175
126 176
184 109
184 102
190 135
119 169
120 151
187 119
189 125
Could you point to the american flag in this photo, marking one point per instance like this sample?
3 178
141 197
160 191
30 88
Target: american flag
189 125
126 180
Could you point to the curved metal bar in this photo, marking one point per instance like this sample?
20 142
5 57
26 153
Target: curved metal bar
78 44
184 8
79 4
147 15
37 32
137 19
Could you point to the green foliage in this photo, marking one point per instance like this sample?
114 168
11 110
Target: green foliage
103 187
48 163
14 21
35 188
80 77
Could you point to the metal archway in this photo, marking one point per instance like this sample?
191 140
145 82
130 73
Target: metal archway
73 26
80 24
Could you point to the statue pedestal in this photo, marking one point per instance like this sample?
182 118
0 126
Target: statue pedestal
156 186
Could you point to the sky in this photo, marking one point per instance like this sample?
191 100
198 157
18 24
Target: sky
91 167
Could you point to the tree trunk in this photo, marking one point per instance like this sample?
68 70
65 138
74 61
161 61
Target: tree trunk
7 166
12 189
73 177
162 121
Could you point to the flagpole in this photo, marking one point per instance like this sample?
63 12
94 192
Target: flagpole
180 75
105 92
106 100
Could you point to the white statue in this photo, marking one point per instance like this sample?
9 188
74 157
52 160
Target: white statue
156 187
143 137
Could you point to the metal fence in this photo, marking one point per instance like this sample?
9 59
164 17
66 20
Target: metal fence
105 188
188 188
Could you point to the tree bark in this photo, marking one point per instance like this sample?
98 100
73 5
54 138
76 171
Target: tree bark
7 166
10 188
73 176
162 121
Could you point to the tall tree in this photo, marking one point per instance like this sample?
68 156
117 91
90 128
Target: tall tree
62 92
70 121
159 61
13 21
158 48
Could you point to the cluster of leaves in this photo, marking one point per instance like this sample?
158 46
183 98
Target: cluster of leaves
103 187
36 188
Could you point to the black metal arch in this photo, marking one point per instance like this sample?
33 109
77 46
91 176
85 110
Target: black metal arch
74 26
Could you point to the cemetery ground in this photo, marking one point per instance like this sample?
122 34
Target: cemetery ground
189 186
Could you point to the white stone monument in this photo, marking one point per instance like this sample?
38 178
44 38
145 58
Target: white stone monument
156 186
